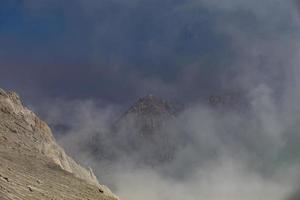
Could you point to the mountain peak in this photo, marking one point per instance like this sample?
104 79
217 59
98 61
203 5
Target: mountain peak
144 125
152 105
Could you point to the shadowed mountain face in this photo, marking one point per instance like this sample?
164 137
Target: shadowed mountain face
33 165
148 115
151 105
147 131
142 132
146 124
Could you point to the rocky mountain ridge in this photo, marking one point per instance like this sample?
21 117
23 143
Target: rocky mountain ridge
152 105
27 141
148 114
140 133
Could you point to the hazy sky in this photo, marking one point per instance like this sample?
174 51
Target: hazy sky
118 50
69 58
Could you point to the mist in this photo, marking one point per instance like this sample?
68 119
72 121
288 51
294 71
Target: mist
221 154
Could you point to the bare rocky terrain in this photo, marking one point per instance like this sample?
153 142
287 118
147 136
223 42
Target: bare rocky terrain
33 166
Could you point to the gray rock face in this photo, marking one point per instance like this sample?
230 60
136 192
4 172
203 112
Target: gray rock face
141 133
33 165
151 105
148 115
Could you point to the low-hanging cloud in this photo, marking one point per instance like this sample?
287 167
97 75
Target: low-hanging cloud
221 154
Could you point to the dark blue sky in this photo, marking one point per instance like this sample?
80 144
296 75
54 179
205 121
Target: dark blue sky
118 50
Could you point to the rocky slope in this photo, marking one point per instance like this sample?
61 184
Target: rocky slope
33 165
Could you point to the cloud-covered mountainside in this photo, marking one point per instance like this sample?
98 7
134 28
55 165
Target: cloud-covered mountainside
33 165
237 146
141 129
102 54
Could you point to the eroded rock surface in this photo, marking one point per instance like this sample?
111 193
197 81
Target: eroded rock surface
33 165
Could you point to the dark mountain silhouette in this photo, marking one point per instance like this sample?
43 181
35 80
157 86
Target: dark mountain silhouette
141 133
145 132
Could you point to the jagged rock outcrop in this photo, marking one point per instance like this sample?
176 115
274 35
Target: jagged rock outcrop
28 151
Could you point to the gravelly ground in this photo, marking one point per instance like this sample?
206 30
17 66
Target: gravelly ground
26 177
